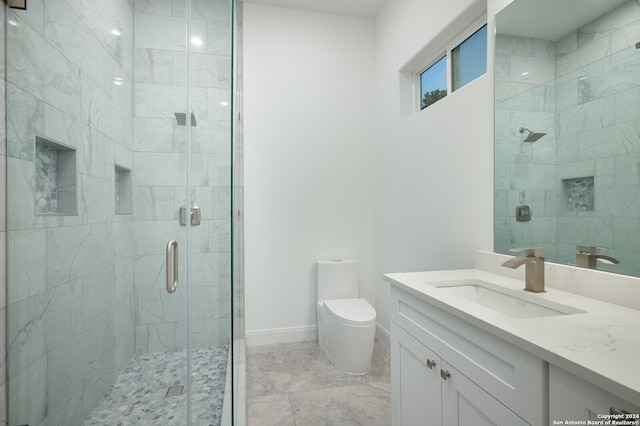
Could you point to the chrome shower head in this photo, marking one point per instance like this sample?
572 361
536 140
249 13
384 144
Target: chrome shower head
531 137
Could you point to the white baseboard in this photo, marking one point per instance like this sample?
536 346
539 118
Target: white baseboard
281 335
274 336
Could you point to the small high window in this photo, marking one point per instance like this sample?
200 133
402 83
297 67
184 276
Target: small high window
469 59
466 60
433 83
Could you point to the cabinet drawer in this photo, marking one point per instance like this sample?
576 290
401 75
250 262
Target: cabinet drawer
509 374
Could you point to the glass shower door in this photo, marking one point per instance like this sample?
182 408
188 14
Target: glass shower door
118 115
162 123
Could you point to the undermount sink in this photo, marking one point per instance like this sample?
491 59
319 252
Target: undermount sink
513 303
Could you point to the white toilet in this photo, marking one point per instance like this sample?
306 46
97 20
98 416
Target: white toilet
346 323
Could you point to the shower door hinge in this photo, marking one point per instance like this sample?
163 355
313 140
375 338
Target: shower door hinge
17 4
195 216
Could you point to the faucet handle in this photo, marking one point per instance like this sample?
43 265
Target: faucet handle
587 249
590 249
529 251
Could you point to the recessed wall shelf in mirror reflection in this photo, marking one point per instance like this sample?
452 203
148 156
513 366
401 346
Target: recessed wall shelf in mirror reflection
569 68
578 194
56 181
123 190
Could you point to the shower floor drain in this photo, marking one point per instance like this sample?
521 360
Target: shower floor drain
175 391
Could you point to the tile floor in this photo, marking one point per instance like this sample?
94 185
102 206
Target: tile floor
296 384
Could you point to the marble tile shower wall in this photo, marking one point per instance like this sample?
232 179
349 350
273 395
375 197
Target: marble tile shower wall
585 94
70 277
158 189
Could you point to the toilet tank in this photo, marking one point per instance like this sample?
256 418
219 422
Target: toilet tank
337 279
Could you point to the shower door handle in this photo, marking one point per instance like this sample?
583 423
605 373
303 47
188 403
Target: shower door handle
172 266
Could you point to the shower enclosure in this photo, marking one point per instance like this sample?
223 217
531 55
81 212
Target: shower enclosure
119 154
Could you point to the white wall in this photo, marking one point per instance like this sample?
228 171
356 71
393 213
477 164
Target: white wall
308 103
434 170
314 146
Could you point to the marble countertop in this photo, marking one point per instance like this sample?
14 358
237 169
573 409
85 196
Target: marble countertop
600 346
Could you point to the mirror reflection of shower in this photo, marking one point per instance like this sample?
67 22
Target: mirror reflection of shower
532 136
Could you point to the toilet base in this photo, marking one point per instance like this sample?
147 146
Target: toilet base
349 347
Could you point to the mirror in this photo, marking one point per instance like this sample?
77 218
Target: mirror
567 131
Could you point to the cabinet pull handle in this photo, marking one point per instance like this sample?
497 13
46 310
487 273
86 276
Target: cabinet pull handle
614 410
444 374
430 363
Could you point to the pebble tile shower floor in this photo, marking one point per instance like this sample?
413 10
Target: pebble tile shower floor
139 395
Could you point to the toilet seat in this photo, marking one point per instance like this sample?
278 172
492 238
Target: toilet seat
351 311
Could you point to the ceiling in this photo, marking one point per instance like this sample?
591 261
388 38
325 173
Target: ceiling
358 8
543 19
550 19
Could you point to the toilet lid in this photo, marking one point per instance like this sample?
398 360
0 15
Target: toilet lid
352 311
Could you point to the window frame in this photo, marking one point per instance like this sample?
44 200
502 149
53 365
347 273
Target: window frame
446 52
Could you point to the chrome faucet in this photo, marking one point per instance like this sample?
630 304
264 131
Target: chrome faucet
534 272
587 257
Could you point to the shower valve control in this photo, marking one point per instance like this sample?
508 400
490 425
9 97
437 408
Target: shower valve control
195 216
523 213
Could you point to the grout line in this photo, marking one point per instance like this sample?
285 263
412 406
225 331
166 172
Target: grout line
293 416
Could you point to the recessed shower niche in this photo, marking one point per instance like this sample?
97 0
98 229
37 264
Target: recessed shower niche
123 190
578 194
56 181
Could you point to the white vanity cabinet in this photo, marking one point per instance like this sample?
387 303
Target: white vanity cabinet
448 372
571 398
430 391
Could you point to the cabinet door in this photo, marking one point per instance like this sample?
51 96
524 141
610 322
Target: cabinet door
466 404
571 398
415 380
